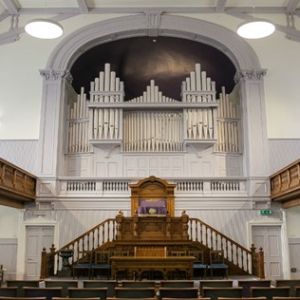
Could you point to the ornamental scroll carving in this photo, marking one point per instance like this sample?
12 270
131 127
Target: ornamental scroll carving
53 75
250 75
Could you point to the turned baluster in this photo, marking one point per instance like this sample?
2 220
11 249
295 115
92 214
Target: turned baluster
103 234
88 242
232 251
222 247
93 239
114 229
108 231
201 232
98 237
242 259
197 231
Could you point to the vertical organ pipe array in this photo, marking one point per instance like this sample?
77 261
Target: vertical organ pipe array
152 131
105 123
199 123
78 125
228 125
143 126
197 88
152 95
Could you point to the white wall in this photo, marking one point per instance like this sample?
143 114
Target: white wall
21 84
293 228
8 222
8 240
22 153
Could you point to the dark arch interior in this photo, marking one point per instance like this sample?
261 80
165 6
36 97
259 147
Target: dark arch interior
167 60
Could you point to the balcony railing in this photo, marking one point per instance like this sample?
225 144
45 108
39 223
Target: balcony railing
233 186
285 185
16 185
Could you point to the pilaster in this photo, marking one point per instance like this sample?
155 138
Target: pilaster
254 130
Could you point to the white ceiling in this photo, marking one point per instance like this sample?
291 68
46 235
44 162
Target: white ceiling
31 6
60 10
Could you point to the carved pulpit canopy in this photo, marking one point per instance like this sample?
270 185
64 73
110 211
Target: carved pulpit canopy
152 196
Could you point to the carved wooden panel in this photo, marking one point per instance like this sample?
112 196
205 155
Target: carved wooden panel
152 188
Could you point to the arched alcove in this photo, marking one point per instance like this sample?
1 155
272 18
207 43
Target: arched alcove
217 36
66 53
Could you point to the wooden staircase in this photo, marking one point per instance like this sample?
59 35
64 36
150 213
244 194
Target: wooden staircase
195 235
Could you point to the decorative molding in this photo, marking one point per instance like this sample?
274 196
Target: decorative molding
250 74
53 75
153 22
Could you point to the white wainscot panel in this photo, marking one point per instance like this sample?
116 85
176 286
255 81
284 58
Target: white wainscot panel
112 169
234 165
161 166
79 165
8 250
100 169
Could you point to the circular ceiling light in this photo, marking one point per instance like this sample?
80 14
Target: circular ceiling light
255 29
44 29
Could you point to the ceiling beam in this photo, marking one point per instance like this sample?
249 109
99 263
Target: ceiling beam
11 6
220 6
83 6
143 9
292 5
4 15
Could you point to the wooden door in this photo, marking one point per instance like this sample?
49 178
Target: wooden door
269 238
37 237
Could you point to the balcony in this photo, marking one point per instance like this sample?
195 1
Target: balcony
285 185
17 187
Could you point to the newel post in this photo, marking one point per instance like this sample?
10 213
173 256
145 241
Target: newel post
254 261
261 263
44 264
51 261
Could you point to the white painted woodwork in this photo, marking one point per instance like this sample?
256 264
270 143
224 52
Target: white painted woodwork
294 250
269 238
37 237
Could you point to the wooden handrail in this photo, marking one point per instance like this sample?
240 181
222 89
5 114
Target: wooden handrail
234 253
221 234
237 255
86 242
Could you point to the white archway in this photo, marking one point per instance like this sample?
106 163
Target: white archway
238 50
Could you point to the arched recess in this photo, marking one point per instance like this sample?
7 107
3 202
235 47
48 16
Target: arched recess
238 50
217 36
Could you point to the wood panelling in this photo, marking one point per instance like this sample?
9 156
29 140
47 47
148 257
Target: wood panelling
16 185
285 185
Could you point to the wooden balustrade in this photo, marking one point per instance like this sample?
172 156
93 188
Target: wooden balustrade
16 185
285 185
195 233
238 256
97 236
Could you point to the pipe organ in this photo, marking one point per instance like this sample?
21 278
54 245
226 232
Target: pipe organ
105 122
152 131
228 124
78 120
199 123
153 122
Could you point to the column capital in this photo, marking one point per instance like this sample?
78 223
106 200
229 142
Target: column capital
53 75
251 74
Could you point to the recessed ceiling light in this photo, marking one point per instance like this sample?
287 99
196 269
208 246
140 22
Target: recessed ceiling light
255 29
44 29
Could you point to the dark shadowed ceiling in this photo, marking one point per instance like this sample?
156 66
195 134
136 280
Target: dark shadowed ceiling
166 60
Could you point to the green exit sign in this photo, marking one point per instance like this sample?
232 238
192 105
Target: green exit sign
265 212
